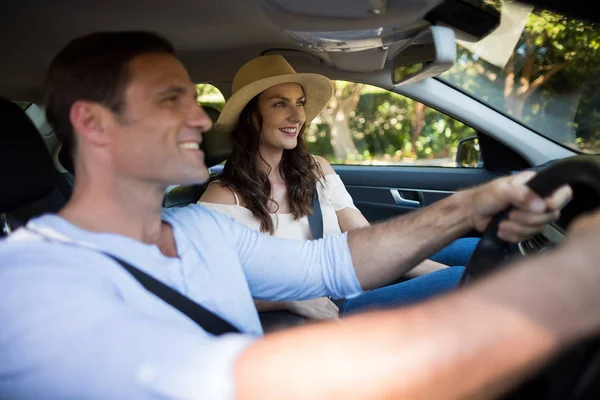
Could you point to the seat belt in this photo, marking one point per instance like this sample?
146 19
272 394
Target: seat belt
315 219
203 317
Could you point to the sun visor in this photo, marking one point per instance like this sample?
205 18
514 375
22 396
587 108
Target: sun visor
497 48
370 28
345 15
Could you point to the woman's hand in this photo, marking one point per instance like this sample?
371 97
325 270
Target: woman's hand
424 268
321 308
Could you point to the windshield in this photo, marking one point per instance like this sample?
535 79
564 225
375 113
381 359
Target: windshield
540 68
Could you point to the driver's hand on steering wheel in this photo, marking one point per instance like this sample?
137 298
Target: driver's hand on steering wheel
531 213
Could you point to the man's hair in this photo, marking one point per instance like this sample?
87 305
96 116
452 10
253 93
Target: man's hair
94 68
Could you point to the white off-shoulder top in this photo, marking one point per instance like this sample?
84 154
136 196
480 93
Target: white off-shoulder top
333 197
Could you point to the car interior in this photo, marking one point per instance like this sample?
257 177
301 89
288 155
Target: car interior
352 40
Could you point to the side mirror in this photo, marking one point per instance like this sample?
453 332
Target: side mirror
427 54
468 154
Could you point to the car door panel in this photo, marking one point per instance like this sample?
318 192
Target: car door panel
381 192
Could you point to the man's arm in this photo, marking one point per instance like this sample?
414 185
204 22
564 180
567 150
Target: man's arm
387 250
280 269
476 343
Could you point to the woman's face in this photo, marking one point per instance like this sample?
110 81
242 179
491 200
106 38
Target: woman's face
282 110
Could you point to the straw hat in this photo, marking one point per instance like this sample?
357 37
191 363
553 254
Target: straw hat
263 72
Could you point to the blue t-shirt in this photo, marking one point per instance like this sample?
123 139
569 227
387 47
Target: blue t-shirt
75 324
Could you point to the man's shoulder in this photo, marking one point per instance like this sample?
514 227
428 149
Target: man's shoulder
195 213
21 243
24 246
26 260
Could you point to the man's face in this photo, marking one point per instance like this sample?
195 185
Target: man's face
157 136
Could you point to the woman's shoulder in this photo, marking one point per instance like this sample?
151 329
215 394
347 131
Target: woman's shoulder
218 193
324 164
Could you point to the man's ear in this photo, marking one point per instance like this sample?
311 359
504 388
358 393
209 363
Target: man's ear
89 120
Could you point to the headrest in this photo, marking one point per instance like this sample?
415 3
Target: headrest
26 169
66 159
216 146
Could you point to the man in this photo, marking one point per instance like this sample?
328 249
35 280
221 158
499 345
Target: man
75 324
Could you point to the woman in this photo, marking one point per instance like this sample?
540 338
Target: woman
268 181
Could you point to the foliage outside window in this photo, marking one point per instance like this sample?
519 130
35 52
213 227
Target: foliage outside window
364 124
23 104
210 96
548 78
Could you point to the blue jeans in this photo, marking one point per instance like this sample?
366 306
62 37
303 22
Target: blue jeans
417 289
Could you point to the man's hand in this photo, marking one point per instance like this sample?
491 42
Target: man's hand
532 212
512 320
317 309
386 251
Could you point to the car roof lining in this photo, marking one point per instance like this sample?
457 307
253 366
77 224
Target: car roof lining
213 39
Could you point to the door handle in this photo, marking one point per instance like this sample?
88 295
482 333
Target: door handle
401 201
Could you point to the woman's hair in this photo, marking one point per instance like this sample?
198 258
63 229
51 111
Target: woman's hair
242 175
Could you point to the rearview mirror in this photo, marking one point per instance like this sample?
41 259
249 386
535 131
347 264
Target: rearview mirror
427 54
468 153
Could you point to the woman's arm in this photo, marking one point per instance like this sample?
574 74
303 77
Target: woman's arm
319 309
350 219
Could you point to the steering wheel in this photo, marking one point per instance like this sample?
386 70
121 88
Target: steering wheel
574 374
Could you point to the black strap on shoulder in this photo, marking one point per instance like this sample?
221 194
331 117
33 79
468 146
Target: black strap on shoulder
206 319
315 219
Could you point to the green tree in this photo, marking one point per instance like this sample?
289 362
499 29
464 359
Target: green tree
384 126
23 104
551 44
397 128
337 113
546 81
208 95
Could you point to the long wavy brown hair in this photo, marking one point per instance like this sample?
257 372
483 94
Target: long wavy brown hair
242 175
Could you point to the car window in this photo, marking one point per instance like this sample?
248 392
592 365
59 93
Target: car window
210 96
368 125
22 104
541 69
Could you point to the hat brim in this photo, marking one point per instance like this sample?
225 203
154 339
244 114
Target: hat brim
317 89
